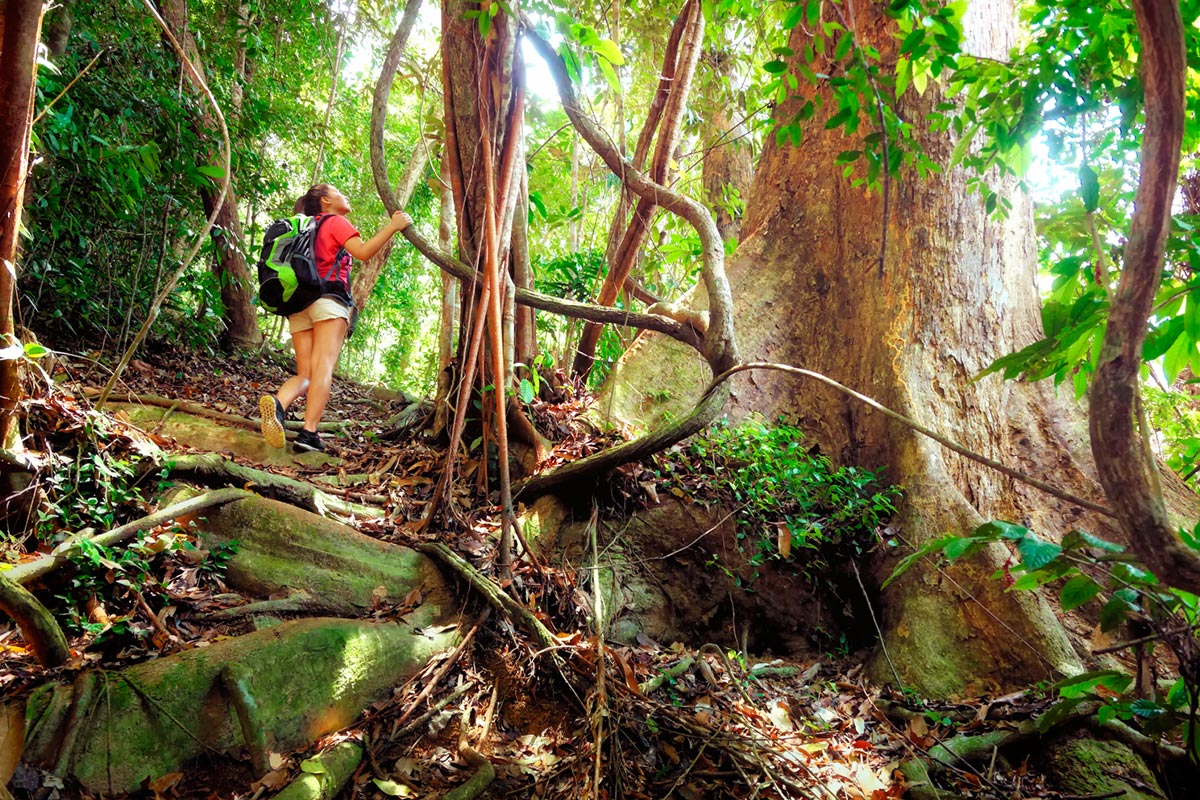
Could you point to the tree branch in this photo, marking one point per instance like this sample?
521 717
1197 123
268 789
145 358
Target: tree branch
1124 464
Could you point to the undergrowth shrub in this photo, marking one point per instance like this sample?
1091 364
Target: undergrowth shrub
781 491
1129 602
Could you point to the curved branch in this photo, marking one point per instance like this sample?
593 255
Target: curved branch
1049 489
705 412
1124 464
24 573
557 305
379 103
720 345
209 466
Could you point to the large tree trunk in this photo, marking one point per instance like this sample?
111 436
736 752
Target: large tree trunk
728 163
241 321
957 291
20 24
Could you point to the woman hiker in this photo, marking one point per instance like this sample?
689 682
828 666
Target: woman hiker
319 330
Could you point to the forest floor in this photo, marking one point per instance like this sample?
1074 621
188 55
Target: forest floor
649 720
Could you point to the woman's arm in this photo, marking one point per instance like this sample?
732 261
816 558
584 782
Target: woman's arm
361 250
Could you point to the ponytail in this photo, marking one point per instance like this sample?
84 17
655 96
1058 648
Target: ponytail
310 202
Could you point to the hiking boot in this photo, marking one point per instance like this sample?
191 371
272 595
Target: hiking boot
309 440
272 420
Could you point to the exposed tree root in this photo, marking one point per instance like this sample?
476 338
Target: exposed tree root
199 410
210 466
589 467
236 680
338 763
298 603
38 628
492 593
485 773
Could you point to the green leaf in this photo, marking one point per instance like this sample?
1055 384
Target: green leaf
1075 540
793 17
1106 713
845 42
848 156
912 40
608 50
610 75
960 546
536 199
1177 357
775 67
838 118
35 350
1077 591
1146 708
391 788
903 75
526 390
213 172
1036 553
1114 613
1056 714
999 529
312 766
920 80
1177 697
1083 685
1089 188
1030 580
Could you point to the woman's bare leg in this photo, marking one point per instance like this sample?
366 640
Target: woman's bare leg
297 385
327 338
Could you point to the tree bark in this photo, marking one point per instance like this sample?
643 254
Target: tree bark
958 291
241 332
20 26
728 164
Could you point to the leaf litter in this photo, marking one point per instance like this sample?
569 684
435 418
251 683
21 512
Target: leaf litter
639 721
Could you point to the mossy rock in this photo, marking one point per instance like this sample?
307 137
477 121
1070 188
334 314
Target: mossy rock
282 549
307 678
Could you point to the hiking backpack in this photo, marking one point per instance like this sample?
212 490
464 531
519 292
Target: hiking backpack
288 280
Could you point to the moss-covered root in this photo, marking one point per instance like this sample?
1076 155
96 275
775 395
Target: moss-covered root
305 679
38 628
282 550
485 773
1082 765
335 766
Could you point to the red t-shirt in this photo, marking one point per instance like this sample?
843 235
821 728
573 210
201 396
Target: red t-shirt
333 235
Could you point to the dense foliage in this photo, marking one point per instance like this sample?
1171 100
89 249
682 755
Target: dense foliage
791 503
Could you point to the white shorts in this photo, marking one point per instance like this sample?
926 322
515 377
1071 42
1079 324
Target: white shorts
323 309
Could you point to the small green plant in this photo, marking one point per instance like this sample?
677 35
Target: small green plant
784 491
93 491
217 561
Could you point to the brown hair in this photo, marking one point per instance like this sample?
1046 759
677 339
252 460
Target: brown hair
310 202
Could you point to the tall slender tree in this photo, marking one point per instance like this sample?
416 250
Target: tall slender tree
20 26
242 331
